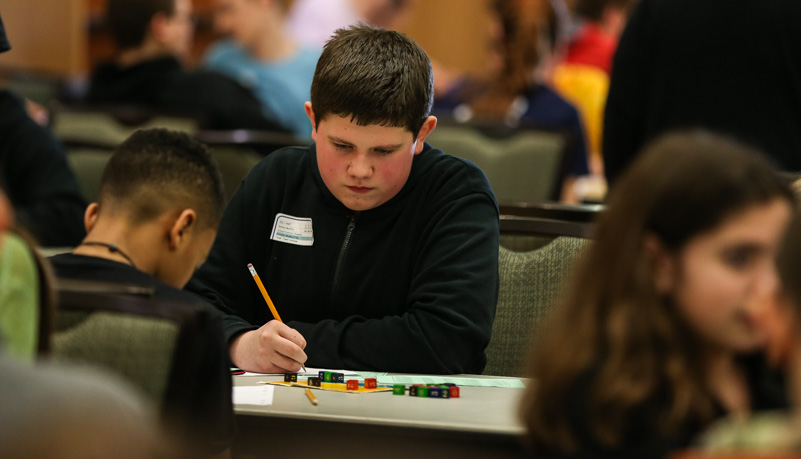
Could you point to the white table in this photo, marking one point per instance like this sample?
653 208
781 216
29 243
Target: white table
482 422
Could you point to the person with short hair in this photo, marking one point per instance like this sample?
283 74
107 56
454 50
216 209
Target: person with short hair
261 56
161 199
379 251
658 334
153 38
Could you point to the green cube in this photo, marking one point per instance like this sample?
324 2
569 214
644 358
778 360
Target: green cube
398 389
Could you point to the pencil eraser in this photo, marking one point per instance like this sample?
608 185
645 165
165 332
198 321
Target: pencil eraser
352 384
370 383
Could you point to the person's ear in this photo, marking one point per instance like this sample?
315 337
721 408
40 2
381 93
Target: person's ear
661 263
90 216
181 230
428 125
310 113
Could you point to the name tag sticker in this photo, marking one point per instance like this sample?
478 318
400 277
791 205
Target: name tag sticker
292 230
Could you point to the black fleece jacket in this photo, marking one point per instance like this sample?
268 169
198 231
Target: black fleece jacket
409 286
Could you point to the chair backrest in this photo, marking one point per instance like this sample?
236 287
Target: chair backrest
523 164
131 334
523 234
91 132
530 282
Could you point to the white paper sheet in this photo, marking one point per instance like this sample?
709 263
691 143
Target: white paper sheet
253 395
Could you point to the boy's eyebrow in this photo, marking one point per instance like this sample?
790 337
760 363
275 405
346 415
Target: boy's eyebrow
345 142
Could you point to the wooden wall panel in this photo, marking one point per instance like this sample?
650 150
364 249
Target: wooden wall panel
46 36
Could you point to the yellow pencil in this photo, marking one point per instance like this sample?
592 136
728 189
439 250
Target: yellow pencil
266 297
311 396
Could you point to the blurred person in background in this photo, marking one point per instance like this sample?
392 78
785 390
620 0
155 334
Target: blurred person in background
153 38
262 57
514 91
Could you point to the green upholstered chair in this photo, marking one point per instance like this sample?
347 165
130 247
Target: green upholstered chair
129 333
522 164
90 134
530 282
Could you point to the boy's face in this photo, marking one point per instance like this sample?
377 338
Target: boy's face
365 166
178 29
243 20
188 259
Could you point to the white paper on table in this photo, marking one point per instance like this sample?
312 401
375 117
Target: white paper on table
308 372
253 395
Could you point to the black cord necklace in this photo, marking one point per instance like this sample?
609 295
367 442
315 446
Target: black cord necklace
111 248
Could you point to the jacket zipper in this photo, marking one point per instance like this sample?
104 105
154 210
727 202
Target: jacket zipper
342 251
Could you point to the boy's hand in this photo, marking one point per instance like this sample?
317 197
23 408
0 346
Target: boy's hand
273 348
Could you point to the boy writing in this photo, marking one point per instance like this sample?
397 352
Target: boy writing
160 202
379 251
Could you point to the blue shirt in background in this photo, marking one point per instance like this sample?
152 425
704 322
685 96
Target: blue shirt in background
282 86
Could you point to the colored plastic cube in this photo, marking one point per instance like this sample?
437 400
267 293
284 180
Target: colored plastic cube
413 390
422 391
352 384
290 377
398 389
314 381
338 377
434 392
370 383
454 392
327 376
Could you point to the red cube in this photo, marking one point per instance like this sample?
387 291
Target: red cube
352 384
454 392
370 383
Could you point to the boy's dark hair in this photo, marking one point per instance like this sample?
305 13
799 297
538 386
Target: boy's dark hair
375 76
128 20
156 169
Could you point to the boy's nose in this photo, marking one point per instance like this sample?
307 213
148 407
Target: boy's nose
360 167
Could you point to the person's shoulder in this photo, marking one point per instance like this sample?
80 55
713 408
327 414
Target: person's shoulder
10 100
222 51
546 106
309 54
